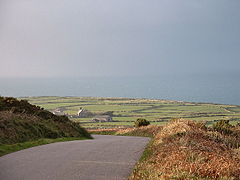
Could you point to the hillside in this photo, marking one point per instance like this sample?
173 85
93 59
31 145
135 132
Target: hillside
21 121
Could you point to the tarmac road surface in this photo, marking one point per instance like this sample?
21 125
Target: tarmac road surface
105 157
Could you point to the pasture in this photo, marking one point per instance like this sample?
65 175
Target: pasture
127 110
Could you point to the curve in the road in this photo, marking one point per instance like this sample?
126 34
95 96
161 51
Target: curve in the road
104 157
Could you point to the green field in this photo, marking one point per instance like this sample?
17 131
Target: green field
127 110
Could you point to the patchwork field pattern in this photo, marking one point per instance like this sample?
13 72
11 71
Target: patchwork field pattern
127 110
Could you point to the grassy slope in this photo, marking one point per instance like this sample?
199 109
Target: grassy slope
21 122
188 150
8 148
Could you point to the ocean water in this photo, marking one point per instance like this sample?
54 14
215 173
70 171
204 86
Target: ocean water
213 88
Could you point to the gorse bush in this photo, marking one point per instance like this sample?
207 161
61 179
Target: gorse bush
223 127
224 132
21 121
141 122
22 106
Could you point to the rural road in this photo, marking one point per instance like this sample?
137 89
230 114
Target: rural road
103 158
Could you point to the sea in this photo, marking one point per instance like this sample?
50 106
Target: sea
206 88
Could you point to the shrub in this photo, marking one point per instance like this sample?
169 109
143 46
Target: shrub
141 122
223 127
21 121
109 113
183 149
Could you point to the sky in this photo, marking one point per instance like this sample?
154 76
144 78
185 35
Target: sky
79 38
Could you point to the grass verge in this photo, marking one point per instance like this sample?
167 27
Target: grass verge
187 150
9 148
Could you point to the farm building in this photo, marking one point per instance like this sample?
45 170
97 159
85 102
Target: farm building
82 113
104 118
58 112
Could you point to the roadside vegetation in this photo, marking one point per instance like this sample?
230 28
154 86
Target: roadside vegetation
8 148
21 122
144 131
184 149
